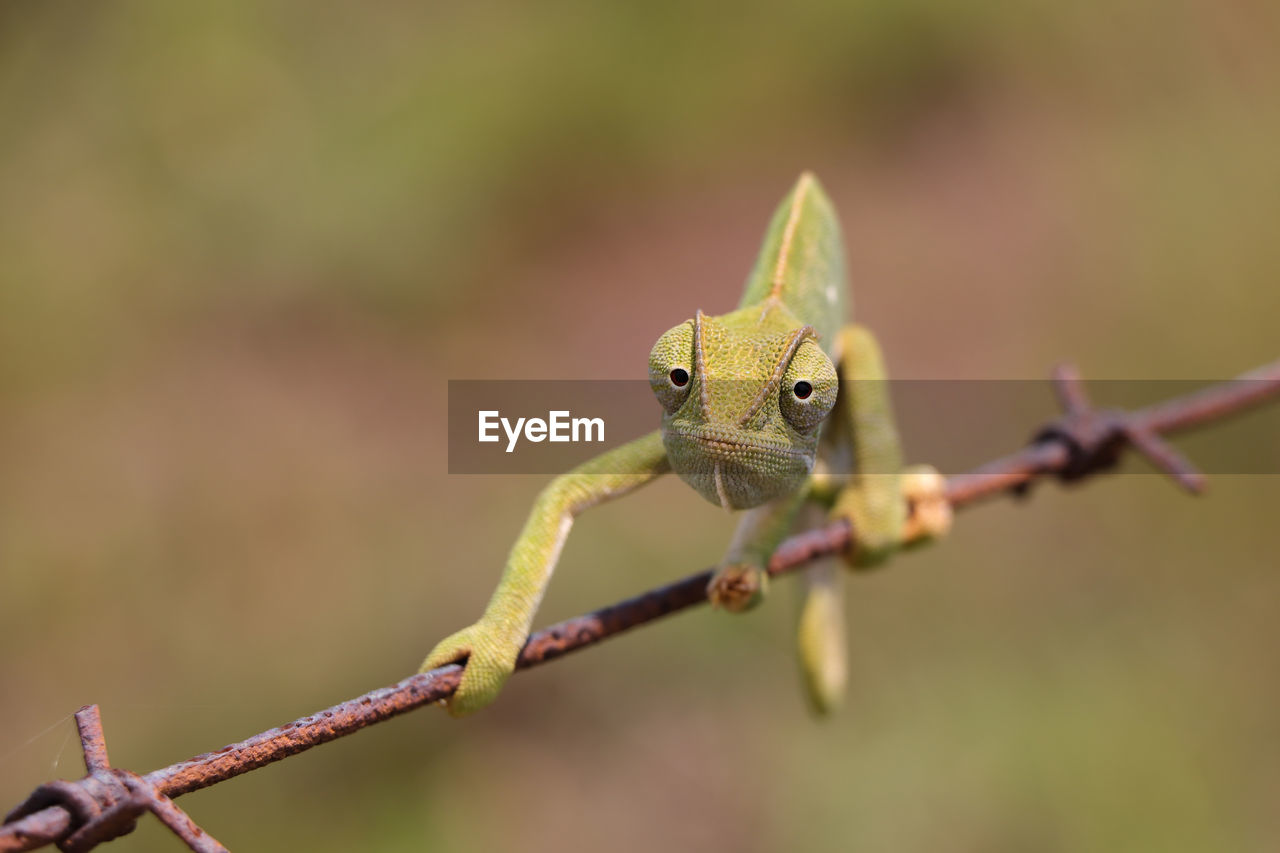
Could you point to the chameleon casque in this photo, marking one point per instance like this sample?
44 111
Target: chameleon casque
776 408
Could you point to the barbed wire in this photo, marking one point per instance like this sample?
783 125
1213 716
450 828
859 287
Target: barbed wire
104 804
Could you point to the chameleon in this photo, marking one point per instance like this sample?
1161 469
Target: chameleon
778 408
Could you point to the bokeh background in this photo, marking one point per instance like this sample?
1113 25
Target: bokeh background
243 246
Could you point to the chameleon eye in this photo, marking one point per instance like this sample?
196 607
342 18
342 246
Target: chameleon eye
806 402
671 367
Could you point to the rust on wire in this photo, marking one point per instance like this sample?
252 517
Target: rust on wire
307 732
582 631
92 739
106 803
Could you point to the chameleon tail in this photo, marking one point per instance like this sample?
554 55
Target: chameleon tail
820 636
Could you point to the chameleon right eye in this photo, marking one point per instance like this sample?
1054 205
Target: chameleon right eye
671 367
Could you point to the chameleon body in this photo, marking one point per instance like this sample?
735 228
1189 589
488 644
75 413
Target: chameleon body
776 408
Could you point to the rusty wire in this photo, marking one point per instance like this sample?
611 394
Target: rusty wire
1083 442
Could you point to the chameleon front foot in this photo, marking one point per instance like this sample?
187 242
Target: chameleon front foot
736 588
488 659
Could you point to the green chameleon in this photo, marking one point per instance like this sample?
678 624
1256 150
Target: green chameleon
776 408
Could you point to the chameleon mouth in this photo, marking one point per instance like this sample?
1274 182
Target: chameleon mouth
734 468
730 444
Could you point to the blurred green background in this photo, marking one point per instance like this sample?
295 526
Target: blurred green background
244 245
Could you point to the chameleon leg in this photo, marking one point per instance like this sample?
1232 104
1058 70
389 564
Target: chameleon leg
887 505
742 579
491 645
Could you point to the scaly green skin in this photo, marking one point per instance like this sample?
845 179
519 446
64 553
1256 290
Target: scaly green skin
745 398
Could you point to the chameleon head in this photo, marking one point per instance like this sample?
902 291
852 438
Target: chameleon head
743 396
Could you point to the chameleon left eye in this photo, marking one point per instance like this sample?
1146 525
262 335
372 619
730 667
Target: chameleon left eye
809 388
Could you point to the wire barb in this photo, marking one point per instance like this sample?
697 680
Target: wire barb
107 802
1094 438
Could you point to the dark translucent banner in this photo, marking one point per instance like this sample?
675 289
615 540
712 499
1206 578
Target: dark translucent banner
550 426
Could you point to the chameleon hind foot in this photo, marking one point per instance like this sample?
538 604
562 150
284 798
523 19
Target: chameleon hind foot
884 524
930 513
737 588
